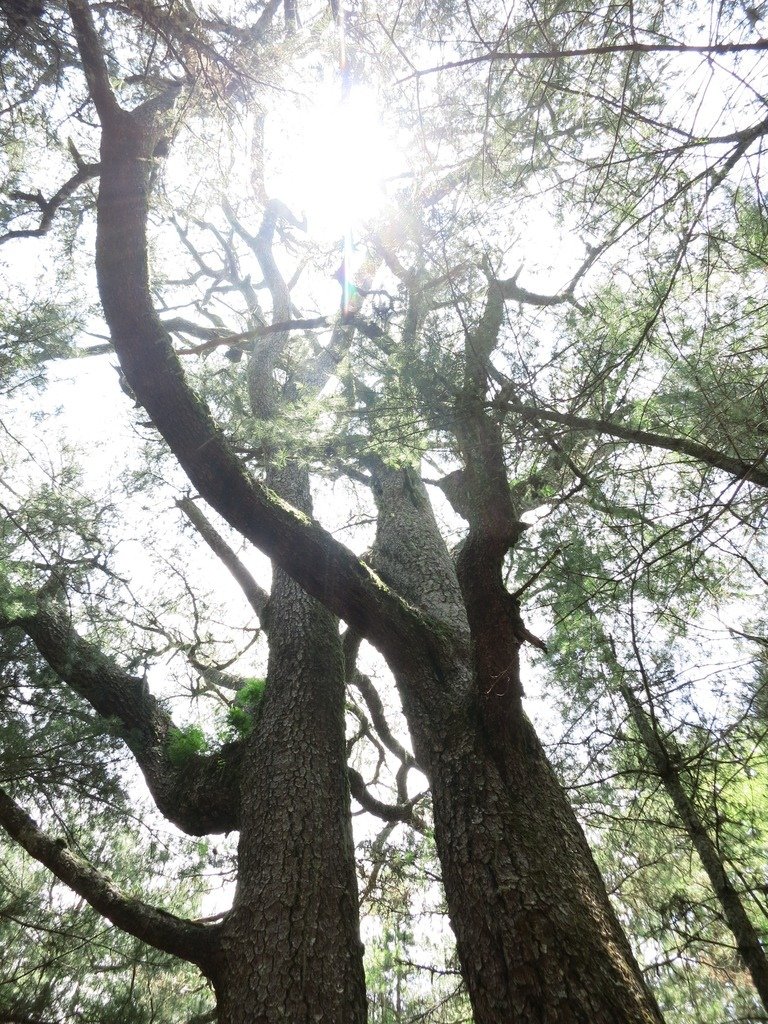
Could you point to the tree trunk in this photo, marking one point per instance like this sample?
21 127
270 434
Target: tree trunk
536 934
537 937
291 950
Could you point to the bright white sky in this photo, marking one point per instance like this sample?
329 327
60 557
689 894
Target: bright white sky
332 157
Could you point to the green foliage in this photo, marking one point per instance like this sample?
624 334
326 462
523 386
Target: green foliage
243 710
634 553
47 736
30 336
186 743
58 959
59 962
666 901
409 930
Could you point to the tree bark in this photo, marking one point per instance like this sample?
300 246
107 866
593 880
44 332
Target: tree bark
536 935
290 948
198 796
537 938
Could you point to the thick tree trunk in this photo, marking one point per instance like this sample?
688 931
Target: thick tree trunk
536 934
291 950
537 937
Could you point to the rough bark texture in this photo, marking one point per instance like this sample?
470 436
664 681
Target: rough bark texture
291 949
188 939
537 937
199 797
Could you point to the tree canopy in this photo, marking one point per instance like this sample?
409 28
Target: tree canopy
383 440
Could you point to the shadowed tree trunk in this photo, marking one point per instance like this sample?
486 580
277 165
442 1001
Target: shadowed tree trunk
290 949
537 937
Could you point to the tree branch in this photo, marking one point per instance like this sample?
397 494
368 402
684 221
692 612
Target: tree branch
201 796
376 710
217 339
742 469
323 566
517 56
387 812
94 65
182 938
50 206
481 492
257 597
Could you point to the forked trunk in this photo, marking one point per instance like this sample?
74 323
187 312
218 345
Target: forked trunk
537 938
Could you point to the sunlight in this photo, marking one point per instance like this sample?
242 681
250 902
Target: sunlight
335 156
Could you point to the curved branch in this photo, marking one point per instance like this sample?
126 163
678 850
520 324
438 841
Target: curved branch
175 935
199 797
742 469
387 812
323 566
49 207
378 717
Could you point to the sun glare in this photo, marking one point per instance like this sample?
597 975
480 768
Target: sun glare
336 159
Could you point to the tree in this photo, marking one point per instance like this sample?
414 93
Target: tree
451 374
709 774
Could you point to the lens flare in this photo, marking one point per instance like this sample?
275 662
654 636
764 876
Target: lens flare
336 158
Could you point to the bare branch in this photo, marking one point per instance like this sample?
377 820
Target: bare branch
387 812
217 339
49 207
517 56
378 718
256 596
